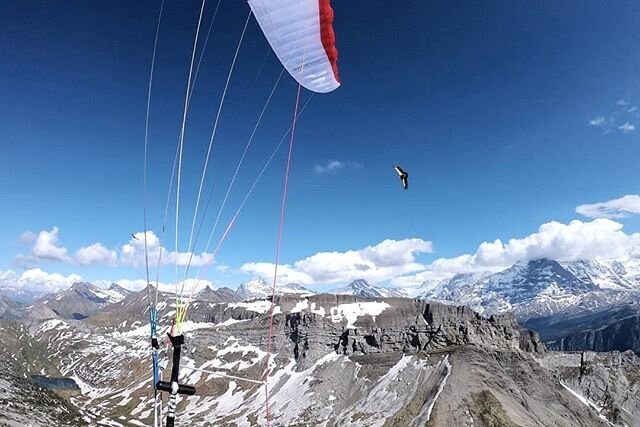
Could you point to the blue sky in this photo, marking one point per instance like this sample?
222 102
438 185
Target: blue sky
506 116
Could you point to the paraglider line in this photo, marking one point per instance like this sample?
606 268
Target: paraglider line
153 318
213 134
235 174
204 48
278 243
202 273
175 157
184 120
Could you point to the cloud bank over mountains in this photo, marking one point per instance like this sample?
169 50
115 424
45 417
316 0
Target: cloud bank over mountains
398 262
46 247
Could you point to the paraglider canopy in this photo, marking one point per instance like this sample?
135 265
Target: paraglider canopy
300 32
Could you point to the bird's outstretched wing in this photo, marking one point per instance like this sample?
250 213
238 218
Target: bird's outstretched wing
404 176
399 170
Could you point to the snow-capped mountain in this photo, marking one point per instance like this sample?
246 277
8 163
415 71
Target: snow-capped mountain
117 293
21 295
362 288
258 288
445 287
373 361
539 288
618 275
79 301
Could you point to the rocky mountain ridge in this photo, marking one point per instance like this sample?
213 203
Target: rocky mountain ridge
337 360
541 288
362 288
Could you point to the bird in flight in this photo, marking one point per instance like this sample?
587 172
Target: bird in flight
404 177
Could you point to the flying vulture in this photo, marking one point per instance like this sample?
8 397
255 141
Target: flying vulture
404 177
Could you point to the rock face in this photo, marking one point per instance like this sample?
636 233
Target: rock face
218 295
621 335
336 360
310 326
606 383
10 309
22 402
78 302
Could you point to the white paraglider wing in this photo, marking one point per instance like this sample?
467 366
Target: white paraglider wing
300 32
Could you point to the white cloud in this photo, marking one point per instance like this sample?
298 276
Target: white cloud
96 254
333 166
28 237
37 280
578 240
616 208
627 128
379 263
223 268
190 285
133 253
46 246
619 119
286 273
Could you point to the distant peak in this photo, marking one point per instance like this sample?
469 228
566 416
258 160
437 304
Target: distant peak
78 286
118 288
360 282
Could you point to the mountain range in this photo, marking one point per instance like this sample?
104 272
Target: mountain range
529 289
362 355
557 299
337 360
542 288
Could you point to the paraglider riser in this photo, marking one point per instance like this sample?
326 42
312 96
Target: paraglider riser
173 387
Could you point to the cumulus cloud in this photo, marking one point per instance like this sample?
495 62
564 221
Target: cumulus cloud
577 240
379 263
46 246
96 254
37 280
616 208
133 253
333 166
